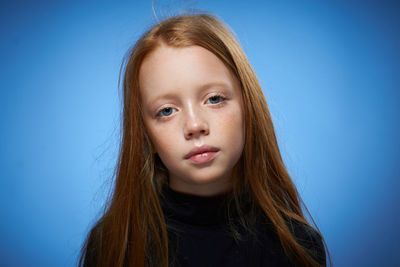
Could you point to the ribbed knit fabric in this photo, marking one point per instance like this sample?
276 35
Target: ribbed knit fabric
200 234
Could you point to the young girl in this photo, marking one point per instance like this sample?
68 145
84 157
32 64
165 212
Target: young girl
200 180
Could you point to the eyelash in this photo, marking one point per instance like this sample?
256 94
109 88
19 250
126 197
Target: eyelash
161 117
219 96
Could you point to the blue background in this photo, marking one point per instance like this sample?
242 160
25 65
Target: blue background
329 71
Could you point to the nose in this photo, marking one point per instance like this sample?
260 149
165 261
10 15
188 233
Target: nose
195 124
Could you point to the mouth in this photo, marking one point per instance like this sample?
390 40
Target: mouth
202 154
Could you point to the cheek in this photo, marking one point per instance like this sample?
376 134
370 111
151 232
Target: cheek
164 140
231 129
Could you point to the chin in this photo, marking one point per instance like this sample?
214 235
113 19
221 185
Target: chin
207 177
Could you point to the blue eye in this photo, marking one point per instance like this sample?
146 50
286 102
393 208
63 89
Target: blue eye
216 99
165 112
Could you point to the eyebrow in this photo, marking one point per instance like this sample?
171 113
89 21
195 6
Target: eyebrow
199 88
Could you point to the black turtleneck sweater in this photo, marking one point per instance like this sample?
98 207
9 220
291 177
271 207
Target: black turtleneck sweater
200 233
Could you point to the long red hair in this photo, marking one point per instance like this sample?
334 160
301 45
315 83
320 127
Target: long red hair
132 231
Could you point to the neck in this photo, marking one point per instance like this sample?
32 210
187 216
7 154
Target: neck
220 187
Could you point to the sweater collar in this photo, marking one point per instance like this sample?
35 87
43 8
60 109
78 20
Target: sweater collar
198 210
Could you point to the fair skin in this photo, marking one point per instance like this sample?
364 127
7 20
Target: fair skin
191 100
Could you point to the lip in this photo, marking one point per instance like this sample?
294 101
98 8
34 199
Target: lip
201 154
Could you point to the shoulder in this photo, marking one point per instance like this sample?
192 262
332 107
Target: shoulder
90 248
310 239
305 235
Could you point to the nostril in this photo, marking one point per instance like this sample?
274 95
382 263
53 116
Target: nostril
195 128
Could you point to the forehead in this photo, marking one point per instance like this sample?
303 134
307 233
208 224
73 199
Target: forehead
170 69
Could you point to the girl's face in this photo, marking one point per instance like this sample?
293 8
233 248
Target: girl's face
193 113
